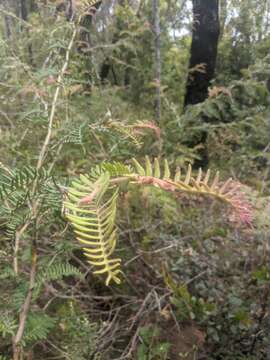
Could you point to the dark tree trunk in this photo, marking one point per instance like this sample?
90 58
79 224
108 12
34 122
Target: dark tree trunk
104 71
7 27
24 12
204 45
157 46
12 7
106 67
24 16
7 21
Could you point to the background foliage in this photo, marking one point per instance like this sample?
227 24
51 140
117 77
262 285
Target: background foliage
196 286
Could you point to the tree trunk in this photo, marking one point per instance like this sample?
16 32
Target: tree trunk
12 7
204 45
156 27
7 27
24 17
7 21
24 12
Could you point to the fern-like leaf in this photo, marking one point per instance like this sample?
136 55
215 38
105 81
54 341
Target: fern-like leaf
7 325
114 169
92 214
38 327
18 180
55 272
93 220
227 192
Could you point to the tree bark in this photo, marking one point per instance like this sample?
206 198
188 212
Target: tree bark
24 17
157 45
24 12
204 45
7 27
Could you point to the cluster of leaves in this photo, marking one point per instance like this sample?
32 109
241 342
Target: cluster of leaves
232 124
242 98
213 301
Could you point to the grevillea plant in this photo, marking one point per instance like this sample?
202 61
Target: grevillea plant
92 201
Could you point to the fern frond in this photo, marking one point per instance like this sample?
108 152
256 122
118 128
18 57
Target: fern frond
75 134
142 125
7 325
208 185
51 195
15 186
7 273
57 272
114 169
15 194
38 326
93 220
134 132
127 131
93 217
19 179
90 3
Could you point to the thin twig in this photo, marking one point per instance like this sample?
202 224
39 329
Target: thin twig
55 98
26 306
17 246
